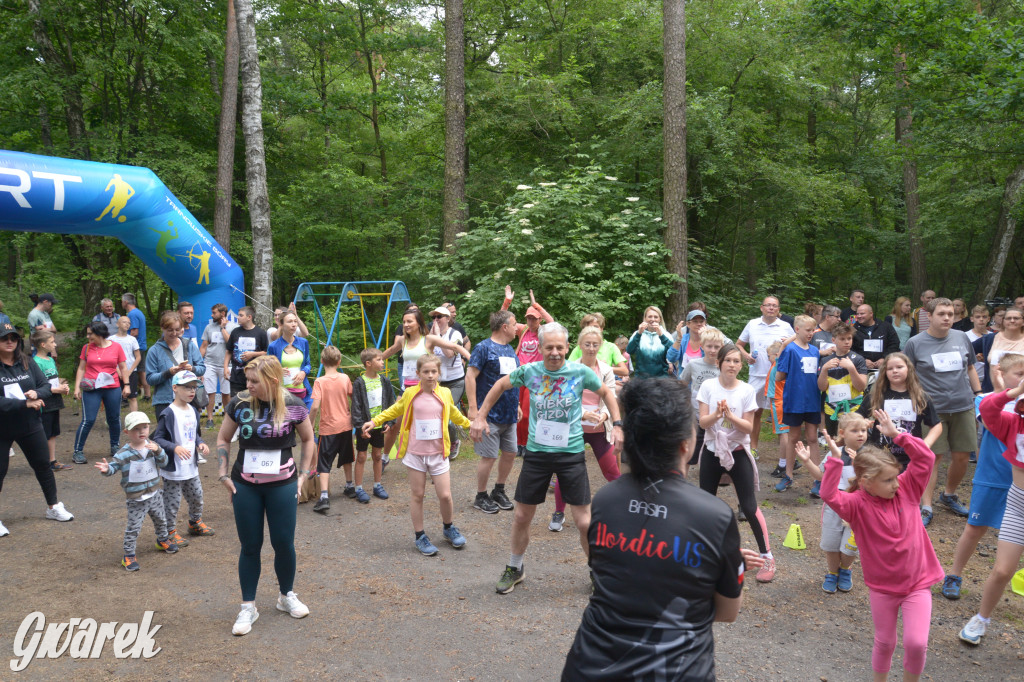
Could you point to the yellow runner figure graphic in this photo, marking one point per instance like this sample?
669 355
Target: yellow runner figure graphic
122 193
166 236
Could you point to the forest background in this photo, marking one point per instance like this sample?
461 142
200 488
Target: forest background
830 144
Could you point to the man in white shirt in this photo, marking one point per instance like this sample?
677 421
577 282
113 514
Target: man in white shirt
760 333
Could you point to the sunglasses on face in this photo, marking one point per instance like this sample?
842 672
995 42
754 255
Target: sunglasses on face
437 317
11 338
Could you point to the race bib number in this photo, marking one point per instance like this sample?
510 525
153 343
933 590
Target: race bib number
947 362
289 377
872 345
409 370
506 365
810 365
373 398
826 346
14 391
839 392
55 383
428 429
104 380
246 343
901 409
591 408
262 462
551 434
140 472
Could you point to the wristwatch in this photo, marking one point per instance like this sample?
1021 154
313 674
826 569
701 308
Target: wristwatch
617 422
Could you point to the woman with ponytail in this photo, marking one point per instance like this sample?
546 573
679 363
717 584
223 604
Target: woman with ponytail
665 556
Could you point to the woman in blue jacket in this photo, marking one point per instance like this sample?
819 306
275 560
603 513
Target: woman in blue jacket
168 356
293 352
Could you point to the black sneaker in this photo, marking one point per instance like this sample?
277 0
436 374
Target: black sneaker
322 505
350 492
499 498
485 504
778 471
509 579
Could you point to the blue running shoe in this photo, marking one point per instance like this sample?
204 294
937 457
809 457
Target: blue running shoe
362 496
816 490
783 485
845 580
379 492
951 586
953 503
831 583
425 546
454 537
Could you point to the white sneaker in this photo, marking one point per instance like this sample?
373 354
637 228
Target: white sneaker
201 459
290 603
974 630
3 530
59 513
455 449
246 617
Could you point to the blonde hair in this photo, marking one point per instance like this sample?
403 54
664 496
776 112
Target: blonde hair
804 320
774 348
169 318
426 359
897 308
847 420
588 331
918 397
661 317
710 334
267 371
592 320
869 462
1008 362
330 356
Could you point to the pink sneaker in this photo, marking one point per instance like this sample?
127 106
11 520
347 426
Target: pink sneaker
766 573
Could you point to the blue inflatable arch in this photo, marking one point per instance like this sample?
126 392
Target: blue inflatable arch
65 196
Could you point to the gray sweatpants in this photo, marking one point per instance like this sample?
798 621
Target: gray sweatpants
173 490
137 510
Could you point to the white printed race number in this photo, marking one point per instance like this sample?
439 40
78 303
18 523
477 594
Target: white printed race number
810 365
246 343
262 462
55 383
506 365
872 345
839 392
14 391
901 409
140 472
373 398
551 434
428 429
947 362
409 371
104 380
595 408
826 346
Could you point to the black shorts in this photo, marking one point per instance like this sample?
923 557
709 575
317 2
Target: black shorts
832 426
376 439
51 423
335 445
796 419
535 476
133 383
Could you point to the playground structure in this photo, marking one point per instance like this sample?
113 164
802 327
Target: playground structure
370 294
66 196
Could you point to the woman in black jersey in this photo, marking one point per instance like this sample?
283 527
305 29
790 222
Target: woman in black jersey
665 556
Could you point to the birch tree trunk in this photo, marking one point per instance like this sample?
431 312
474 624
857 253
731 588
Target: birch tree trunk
255 163
1006 230
454 123
674 105
226 136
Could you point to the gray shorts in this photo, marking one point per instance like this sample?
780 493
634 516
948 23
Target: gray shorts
835 534
502 438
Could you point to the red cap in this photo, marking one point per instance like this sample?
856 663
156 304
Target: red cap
533 312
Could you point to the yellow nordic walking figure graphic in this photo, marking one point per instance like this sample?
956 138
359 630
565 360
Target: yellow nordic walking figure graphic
204 264
166 236
122 193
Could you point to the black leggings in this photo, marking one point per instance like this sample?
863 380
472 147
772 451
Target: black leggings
742 475
33 443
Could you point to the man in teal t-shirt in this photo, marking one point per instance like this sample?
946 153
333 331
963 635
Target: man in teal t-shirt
555 444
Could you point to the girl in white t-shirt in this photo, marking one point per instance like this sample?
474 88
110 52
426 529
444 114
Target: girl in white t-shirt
727 408
133 356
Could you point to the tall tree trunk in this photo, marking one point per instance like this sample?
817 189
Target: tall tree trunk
255 163
454 123
674 122
904 137
226 136
375 112
750 234
811 230
1006 230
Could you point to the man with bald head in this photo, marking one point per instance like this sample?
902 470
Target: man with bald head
760 333
872 338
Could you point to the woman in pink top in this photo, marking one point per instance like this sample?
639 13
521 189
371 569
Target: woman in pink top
528 351
896 554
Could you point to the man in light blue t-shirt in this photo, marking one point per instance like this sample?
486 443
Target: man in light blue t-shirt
555 443
138 330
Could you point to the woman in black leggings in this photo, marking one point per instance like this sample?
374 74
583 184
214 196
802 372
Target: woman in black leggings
727 408
24 388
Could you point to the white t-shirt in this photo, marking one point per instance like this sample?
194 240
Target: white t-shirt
451 368
758 334
129 344
741 399
184 434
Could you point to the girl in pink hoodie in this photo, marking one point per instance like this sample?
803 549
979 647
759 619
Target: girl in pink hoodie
897 557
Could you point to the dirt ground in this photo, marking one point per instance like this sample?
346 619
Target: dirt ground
380 610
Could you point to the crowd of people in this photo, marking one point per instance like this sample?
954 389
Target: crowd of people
866 407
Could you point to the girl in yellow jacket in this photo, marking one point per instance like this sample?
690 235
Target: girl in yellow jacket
425 409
